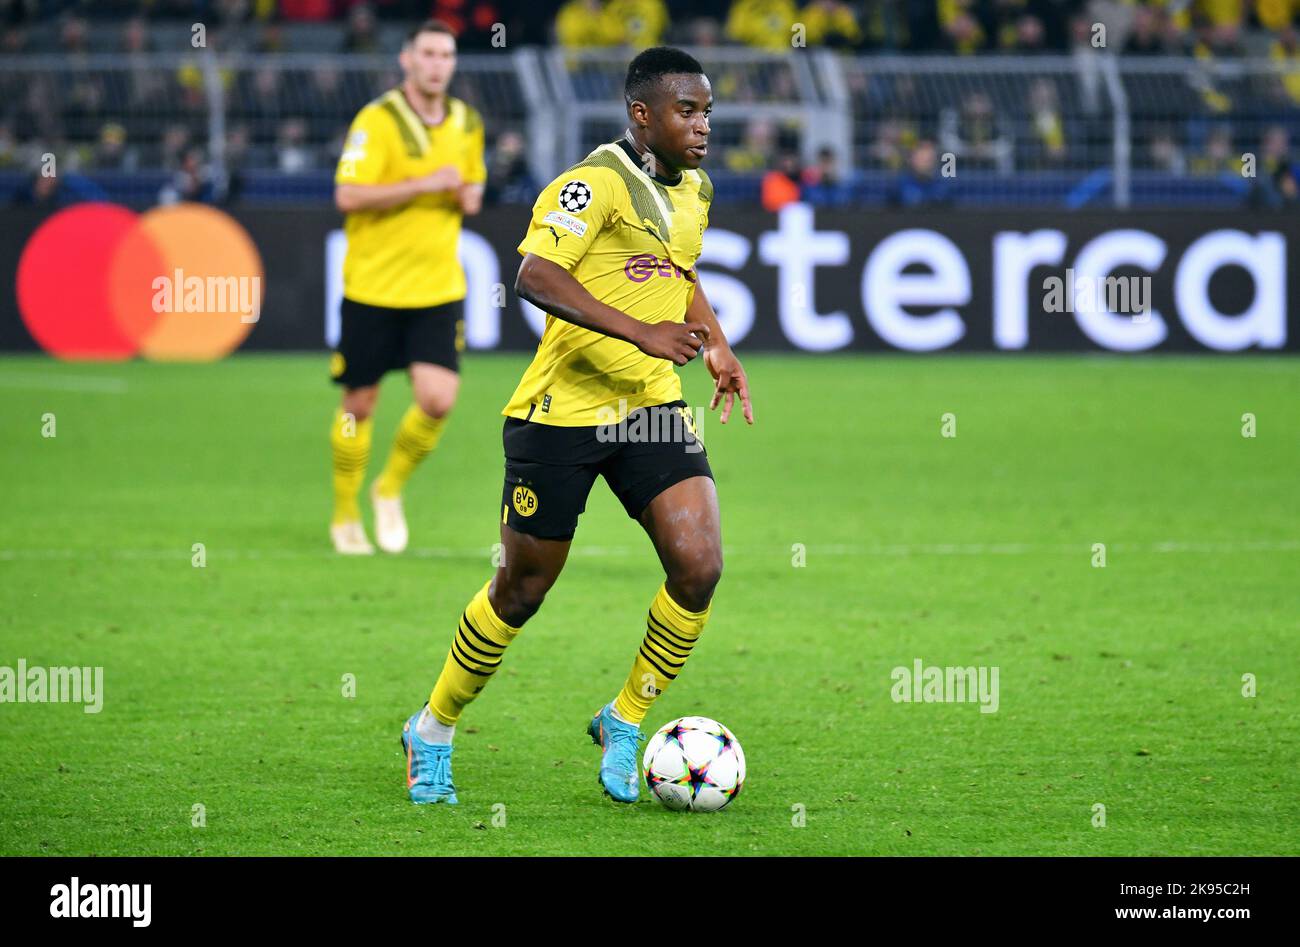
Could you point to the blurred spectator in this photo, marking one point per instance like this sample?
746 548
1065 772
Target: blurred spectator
1217 156
362 34
72 37
754 153
1285 51
822 183
1046 120
1276 15
291 145
962 33
922 185
1027 37
1147 37
59 190
893 142
112 152
704 31
781 182
271 39
1277 177
191 182
135 37
585 23
764 24
831 23
13 41
11 154
643 21
975 135
1165 155
509 180
172 147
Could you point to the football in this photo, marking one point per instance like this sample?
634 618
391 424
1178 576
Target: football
694 764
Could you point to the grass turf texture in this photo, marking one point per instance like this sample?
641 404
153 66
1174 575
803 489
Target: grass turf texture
1119 685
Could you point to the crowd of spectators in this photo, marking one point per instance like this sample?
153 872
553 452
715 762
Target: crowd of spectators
136 117
956 26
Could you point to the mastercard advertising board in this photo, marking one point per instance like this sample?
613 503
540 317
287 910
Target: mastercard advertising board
178 283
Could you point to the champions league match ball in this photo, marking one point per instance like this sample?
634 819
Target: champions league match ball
694 764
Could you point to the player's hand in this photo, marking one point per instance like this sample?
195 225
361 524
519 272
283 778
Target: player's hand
446 178
678 342
730 381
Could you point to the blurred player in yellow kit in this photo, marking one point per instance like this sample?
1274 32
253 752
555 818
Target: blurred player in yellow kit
411 167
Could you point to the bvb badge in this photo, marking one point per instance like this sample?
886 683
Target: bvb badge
337 364
525 501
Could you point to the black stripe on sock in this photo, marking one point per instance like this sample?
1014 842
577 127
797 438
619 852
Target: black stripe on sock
464 616
662 672
672 635
663 657
653 637
467 647
467 667
473 659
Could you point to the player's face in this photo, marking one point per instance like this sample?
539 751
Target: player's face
429 61
677 125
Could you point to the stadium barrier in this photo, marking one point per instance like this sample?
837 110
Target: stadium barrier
829 281
1079 130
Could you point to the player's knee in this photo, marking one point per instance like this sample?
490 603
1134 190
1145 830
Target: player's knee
692 586
360 402
518 599
436 406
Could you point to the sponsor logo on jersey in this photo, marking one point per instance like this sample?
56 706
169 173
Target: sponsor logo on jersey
641 267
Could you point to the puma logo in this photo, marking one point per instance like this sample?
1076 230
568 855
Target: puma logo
555 235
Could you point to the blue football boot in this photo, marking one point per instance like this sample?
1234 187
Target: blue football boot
428 766
618 764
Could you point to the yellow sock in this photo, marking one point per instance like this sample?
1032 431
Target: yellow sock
474 657
417 435
350 445
671 633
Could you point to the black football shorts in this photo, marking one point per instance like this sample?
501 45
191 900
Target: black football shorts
550 470
376 340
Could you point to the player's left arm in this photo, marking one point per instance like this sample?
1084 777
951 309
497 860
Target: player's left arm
728 374
473 171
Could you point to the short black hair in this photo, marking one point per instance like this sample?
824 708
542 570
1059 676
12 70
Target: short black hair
653 64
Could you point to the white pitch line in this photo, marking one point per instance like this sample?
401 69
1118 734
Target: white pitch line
98 385
218 553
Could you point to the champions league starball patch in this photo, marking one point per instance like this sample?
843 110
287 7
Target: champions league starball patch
575 196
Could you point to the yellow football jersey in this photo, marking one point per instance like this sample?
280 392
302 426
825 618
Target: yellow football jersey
632 241
405 257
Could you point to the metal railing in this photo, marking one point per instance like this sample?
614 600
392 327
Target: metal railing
1067 130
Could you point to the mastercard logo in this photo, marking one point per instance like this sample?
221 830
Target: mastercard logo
177 283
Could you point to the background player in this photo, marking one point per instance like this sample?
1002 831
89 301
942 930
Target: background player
412 165
610 257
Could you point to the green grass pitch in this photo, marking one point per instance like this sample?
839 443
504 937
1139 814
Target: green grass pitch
1120 686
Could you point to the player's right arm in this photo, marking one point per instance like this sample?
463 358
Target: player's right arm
552 288
362 164
560 234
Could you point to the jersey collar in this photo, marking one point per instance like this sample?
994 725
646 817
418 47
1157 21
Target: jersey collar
635 156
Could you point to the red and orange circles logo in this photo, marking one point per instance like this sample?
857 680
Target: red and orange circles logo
178 283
